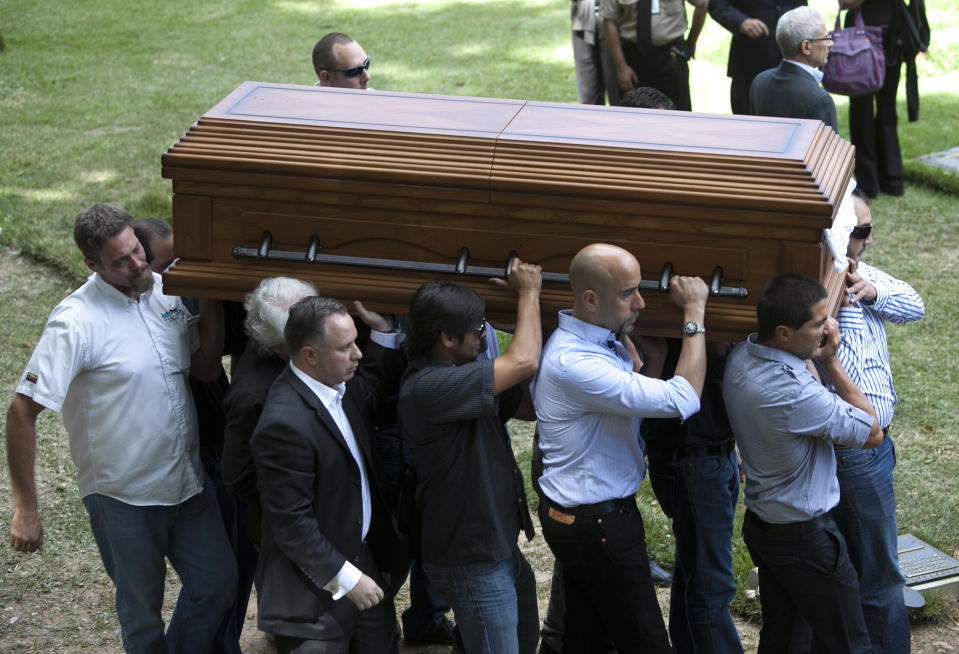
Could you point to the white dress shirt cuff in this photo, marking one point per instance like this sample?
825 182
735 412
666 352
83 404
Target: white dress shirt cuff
391 341
344 581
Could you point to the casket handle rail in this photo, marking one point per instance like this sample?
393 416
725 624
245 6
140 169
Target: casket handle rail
461 267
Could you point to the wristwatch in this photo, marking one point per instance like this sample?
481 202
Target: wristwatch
692 328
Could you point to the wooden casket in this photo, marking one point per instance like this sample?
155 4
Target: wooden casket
369 194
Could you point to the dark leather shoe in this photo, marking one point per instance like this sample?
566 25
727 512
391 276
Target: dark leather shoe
442 635
659 576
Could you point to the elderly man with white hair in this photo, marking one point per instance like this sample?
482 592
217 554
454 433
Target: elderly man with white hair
793 89
266 354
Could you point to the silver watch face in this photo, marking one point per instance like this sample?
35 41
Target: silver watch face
692 328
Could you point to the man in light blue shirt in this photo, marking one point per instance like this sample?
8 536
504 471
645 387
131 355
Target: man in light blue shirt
866 514
590 400
786 424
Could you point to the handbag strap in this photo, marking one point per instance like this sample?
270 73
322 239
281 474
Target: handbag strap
857 17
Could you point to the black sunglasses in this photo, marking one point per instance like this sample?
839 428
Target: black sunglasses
861 232
481 330
355 71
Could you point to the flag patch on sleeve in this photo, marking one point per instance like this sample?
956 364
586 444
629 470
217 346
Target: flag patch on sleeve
32 377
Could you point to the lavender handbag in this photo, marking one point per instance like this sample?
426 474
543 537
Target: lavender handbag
856 64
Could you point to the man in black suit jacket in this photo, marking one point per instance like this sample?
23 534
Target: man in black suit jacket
753 48
327 535
792 90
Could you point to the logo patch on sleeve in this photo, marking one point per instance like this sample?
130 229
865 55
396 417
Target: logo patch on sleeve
32 377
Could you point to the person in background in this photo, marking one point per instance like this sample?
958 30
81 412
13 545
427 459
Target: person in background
753 48
339 61
793 90
873 121
646 40
595 70
695 476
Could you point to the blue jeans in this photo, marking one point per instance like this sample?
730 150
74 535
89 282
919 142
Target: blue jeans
133 542
700 494
866 516
234 514
494 604
427 610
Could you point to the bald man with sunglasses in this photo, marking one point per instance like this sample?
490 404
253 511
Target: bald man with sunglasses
340 62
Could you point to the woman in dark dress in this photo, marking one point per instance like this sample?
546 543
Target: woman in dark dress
872 118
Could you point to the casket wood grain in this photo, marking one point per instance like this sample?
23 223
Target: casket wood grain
411 177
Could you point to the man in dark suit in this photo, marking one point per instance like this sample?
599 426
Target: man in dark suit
753 48
793 90
327 538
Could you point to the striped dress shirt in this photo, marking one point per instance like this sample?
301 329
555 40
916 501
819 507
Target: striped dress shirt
864 353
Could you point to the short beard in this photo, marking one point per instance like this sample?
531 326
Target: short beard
143 284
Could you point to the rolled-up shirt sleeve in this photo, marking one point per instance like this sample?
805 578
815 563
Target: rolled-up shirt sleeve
819 413
599 386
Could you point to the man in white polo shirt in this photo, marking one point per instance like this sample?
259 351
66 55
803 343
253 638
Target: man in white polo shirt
114 359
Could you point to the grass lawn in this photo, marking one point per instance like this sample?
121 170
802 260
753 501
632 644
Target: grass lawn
92 93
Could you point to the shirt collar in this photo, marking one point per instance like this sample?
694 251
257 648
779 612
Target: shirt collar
328 396
586 331
815 72
773 353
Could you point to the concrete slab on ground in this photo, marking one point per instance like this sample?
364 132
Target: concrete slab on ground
947 160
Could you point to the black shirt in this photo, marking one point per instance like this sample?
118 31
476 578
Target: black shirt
469 491
709 426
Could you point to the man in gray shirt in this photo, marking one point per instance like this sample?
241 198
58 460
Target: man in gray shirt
787 424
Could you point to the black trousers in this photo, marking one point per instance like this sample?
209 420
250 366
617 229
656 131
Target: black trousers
739 94
805 576
873 125
609 594
662 70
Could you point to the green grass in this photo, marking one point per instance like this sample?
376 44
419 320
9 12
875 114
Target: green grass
92 93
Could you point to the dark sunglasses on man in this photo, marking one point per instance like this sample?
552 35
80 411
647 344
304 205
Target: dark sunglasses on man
355 71
861 232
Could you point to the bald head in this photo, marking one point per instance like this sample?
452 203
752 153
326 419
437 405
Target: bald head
605 283
597 265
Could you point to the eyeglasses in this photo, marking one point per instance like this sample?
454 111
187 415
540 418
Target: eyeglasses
828 37
355 71
481 330
861 232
